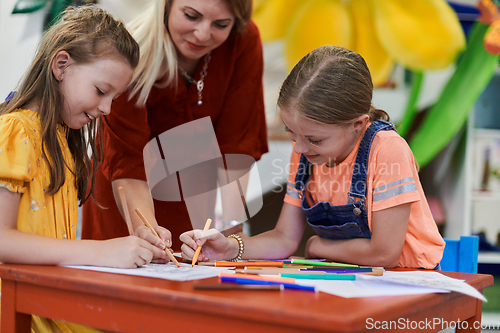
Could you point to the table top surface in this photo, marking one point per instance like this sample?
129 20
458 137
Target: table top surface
290 306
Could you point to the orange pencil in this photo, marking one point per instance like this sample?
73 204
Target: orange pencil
123 202
198 249
167 251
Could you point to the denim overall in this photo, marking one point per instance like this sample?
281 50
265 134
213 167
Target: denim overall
342 221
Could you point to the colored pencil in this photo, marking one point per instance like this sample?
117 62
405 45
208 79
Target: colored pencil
269 271
320 263
278 271
167 251
328 270
198 249
232 286
255 264
285 285
257 277
349 269
297 266
320 276
126 213
364 271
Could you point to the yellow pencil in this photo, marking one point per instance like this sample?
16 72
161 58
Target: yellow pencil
167 251
197 253
126 213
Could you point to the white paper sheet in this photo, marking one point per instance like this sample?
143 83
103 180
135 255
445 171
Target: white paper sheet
434 280
394 284
164 271
367 288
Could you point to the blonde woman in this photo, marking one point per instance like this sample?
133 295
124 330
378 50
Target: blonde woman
199 58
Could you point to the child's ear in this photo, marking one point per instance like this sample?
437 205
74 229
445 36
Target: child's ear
360 122
60 62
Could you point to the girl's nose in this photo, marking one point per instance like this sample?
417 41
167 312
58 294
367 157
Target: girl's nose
300 147
105 108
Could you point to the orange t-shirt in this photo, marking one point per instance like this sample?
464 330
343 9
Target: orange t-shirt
392 180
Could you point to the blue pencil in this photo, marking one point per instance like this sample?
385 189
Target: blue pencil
260 282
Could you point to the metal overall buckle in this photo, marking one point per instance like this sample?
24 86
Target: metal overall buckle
352 200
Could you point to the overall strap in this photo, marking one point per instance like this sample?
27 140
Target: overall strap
303 173
358 181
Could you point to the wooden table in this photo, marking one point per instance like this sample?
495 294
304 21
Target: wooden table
127 303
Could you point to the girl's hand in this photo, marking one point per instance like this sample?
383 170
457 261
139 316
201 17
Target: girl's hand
215 245
125 252
160 243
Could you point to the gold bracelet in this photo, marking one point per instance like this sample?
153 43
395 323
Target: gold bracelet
241 246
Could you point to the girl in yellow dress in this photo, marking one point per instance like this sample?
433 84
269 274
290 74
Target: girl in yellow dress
46 129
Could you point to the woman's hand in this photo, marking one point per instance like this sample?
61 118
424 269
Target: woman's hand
161 244
215 245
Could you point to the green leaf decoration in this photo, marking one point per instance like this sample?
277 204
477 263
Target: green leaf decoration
28 6
59 6
411 106
52 15
447 116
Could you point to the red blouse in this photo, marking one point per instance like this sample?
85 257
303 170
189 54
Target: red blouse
232 97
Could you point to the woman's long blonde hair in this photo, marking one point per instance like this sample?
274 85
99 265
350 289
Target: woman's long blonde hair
158 62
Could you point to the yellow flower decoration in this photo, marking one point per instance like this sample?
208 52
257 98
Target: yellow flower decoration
419 34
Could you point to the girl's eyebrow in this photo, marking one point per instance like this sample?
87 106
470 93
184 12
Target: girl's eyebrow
289 130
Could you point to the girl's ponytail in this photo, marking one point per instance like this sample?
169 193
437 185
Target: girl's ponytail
378 114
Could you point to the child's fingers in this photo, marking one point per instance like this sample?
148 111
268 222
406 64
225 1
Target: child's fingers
202 257
147 251
165 235
146 234
144 257
202 236
159 253
188 239
160 261
187 252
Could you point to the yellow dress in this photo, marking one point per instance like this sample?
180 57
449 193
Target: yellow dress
24 169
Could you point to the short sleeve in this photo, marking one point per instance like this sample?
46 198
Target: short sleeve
292 194
125 132
395 175
16 154
241 128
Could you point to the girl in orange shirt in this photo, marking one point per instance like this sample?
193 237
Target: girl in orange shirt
352 178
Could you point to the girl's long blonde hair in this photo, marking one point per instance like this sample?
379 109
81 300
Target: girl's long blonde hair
158 62
87 33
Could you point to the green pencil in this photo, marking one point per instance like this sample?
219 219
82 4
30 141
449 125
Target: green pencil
320 263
